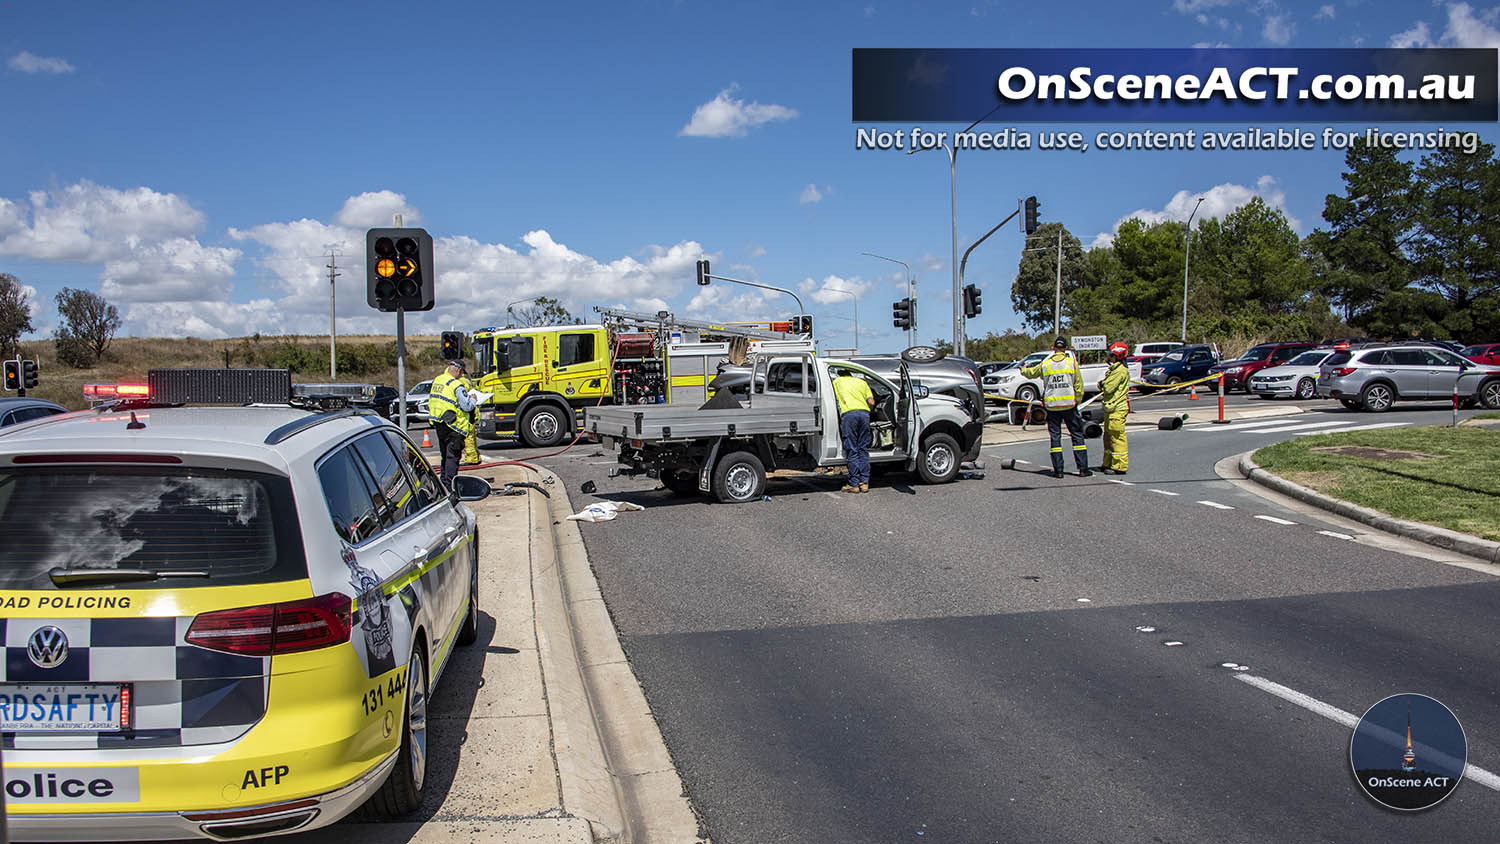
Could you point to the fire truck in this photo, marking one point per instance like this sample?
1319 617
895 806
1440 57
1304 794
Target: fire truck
543 377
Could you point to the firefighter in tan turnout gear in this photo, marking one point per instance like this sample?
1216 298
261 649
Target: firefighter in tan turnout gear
1062 389
1116 399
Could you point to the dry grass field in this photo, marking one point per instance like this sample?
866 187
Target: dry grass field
362 359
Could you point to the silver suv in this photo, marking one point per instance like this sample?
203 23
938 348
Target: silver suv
1375 377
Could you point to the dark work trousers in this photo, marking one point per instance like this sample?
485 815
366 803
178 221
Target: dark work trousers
855 428
451 445
1070 417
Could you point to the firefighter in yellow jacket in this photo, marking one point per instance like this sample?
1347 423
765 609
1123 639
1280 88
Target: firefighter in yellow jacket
1062 389
1116 400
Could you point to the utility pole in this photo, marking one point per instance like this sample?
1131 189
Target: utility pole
333 273
1057 298
401 352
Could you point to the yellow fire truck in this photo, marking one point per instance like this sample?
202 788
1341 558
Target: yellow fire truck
543 377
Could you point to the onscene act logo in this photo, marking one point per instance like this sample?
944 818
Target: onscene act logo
1408 752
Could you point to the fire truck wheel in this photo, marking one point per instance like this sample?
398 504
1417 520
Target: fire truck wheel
739 477
542 426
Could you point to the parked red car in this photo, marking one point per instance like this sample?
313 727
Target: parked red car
1484 353
1237 372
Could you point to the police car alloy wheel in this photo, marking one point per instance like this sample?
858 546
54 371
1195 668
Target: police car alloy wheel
923 354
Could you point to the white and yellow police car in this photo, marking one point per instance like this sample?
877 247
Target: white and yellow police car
222 622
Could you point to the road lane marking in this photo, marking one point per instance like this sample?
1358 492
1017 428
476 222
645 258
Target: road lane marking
1120 482
1336 535
1355 428
1271 427
1164 492
1245 426
1216 505
1274 520
1333 713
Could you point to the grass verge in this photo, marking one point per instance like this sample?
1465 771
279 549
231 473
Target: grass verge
1455 486
1488 414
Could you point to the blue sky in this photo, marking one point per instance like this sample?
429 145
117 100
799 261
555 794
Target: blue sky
193 161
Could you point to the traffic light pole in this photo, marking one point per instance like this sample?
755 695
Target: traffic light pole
401 363
958 294
801 308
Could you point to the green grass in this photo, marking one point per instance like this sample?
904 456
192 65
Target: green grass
1488 414
1457 487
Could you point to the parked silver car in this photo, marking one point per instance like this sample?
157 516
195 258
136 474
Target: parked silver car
1297 378
1375 377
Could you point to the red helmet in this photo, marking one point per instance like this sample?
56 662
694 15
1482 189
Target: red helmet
1118 350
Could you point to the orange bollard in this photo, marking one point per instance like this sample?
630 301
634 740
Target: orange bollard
1221 420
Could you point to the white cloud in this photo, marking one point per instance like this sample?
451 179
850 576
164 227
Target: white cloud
810 194
176 270
1217 201
727 117
930 262
1464 29
1325 13
870 11
757 251
1188 7
833 289
376 209
1207 45
92 223
1279 29
31 63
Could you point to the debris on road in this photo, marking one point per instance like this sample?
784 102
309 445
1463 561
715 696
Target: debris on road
603 511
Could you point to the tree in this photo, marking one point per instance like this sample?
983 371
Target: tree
1368 227
542 311
15 316
1149 280
1034 292
1249 260
1456 250
88 325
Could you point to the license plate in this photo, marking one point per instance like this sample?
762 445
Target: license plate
82 707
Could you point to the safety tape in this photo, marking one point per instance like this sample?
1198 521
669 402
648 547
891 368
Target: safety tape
1172 388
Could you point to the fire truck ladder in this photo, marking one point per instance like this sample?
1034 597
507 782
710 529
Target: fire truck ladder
665 322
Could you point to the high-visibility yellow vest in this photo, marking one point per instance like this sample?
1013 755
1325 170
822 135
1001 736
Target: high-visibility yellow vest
1060 383
443 400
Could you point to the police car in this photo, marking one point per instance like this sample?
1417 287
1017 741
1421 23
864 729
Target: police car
222 622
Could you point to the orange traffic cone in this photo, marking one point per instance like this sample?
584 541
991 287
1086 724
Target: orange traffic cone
1193 394
427 438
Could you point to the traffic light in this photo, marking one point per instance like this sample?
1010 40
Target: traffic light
453 345
398 269
901 313
1029 223
703 273
802 324
971 301
12 375
28 374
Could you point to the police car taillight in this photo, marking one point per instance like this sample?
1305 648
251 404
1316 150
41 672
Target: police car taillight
291 627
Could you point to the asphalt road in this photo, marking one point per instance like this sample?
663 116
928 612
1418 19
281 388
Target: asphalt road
992 660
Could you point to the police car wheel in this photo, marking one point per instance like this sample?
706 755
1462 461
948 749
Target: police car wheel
468 633
401 794
1489 394
939 461
1306 389
542 426
739 477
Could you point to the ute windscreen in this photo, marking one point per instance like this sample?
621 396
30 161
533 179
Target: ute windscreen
236 527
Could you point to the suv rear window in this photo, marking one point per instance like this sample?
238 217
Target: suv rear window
239 527
1338 357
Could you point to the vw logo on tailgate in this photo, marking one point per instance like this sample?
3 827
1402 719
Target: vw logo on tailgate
47 647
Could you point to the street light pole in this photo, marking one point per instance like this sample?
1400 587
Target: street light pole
911 293
1057 297
1187 253
855 300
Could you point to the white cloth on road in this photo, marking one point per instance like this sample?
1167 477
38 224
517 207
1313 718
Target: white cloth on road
603 511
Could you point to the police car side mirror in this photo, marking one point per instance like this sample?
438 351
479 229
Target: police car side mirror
470 488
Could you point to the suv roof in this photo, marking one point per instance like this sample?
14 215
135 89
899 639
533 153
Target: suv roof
205 434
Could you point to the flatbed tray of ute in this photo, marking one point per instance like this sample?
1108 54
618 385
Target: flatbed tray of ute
663 422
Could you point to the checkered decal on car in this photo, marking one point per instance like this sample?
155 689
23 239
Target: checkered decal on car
183 694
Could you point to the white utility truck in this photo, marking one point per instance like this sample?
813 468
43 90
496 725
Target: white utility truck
790 421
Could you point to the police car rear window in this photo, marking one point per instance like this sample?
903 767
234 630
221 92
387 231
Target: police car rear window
236 527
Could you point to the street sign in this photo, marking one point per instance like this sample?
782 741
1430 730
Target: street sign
1090 342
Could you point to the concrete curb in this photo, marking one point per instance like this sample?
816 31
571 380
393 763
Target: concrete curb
587 788
1448 540
620 774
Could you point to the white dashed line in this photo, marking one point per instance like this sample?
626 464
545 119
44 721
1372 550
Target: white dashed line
1216 505
1275 521
1355 428
1120 482
1335 535
1339 716
1164 492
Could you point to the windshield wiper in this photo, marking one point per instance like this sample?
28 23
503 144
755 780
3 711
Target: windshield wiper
90 577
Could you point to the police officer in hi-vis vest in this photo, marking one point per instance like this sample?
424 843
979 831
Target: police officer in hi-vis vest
448 406
1062 389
